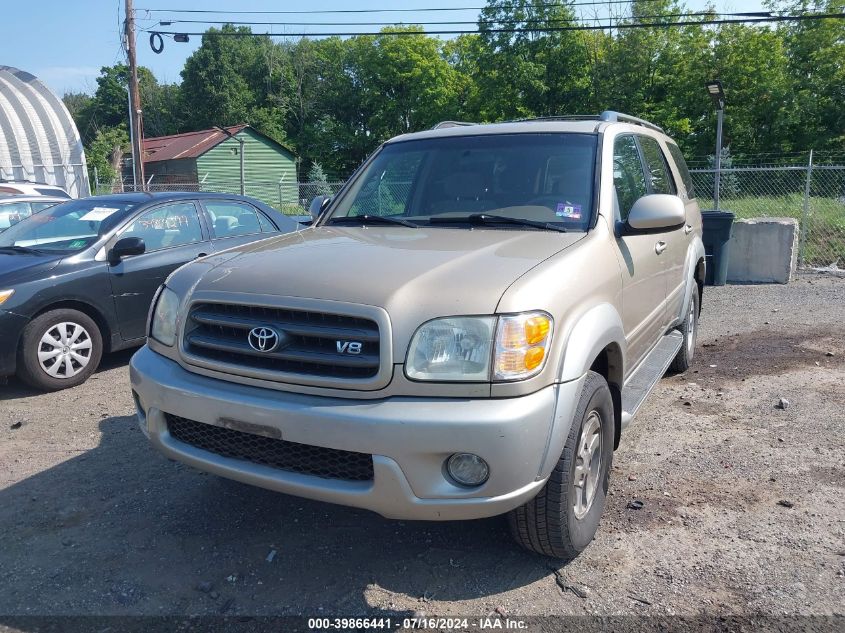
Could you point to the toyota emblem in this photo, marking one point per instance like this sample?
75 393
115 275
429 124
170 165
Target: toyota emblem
263 339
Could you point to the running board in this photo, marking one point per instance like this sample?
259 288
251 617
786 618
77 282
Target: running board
643 380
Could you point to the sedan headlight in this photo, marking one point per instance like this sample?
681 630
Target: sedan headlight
5 294
164 317
480 349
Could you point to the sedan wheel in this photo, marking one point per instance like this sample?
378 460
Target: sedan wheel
59 349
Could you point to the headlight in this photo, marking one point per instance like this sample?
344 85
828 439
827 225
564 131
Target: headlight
522 345
480 349
165 313
5 294
452 349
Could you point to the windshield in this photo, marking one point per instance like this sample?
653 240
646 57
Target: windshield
546 179
67 227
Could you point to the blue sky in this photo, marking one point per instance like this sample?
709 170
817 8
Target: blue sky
65 42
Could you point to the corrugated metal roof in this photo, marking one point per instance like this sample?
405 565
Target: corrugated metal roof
187 145
38 138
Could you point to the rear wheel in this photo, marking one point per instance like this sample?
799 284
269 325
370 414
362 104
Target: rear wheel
564 516
59 349
689 328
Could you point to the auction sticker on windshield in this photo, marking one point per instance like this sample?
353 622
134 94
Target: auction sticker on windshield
98 214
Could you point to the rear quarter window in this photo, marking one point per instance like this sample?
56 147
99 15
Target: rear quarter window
681 164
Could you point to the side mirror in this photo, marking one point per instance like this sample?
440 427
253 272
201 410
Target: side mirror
317 205
127 247
654 213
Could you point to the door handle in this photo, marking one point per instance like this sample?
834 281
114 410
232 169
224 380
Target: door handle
687 229
201 255
660 247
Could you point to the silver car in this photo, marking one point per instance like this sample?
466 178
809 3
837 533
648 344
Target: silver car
465 331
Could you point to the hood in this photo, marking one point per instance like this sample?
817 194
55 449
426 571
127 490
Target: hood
16 268
414 274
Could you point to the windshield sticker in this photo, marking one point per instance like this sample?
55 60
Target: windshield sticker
567 210
98 214
77 244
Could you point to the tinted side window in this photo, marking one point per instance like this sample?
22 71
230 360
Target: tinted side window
230 218
681 164
660 180
167 226
628 174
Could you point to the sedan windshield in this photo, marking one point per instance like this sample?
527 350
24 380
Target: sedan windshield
516 181
68 227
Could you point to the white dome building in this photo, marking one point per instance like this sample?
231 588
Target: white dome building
38 138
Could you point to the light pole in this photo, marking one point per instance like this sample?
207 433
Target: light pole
717 94
240 150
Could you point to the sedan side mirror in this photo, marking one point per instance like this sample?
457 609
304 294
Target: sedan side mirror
318 204
127 247
654 213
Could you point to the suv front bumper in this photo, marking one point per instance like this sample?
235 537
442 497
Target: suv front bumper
409 439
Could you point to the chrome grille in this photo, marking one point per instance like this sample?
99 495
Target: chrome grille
309 347
328 463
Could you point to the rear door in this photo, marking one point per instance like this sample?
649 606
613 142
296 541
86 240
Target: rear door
643 281
660 180
234 222
173 236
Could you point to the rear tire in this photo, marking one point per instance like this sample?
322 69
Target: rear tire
564 516
59 349
689 329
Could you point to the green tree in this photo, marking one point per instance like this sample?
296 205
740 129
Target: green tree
107 144
317 177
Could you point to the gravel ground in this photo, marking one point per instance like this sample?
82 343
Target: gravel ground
743 510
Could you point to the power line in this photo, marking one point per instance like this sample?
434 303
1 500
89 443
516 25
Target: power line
427 9
548 29
457 22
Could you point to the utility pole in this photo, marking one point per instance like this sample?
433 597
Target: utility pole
136 119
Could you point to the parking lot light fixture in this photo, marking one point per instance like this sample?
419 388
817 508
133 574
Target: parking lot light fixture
717 95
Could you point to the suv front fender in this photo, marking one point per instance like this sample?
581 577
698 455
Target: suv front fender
594 331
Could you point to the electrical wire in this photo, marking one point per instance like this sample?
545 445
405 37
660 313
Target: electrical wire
420 10
625 24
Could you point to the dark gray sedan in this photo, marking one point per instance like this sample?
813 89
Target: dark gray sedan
77 279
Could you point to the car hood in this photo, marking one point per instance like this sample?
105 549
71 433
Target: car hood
16 268
414 274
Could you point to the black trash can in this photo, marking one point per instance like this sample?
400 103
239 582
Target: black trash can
717 227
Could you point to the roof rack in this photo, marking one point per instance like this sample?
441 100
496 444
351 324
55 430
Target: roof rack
608 116
613 117
444 124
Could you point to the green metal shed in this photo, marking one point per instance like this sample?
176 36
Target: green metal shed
209 160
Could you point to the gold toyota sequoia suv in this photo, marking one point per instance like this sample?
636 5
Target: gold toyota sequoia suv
466 329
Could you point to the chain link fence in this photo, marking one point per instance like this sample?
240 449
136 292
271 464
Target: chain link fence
812 194
292 198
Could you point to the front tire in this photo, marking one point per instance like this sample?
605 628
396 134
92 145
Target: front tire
59 349
564 516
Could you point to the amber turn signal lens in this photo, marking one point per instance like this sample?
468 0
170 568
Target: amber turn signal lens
536 330
534 357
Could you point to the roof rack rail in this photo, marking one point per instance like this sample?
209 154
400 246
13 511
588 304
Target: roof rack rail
444 124
613 117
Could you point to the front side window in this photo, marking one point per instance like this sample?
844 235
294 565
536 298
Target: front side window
542 178
230 218
166 226
628 176
68 227
660 180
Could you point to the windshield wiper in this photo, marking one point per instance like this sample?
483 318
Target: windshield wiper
371 219
486 218
20 249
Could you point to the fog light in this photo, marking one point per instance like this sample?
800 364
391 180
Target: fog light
467 469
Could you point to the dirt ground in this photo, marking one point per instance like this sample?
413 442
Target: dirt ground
744 503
